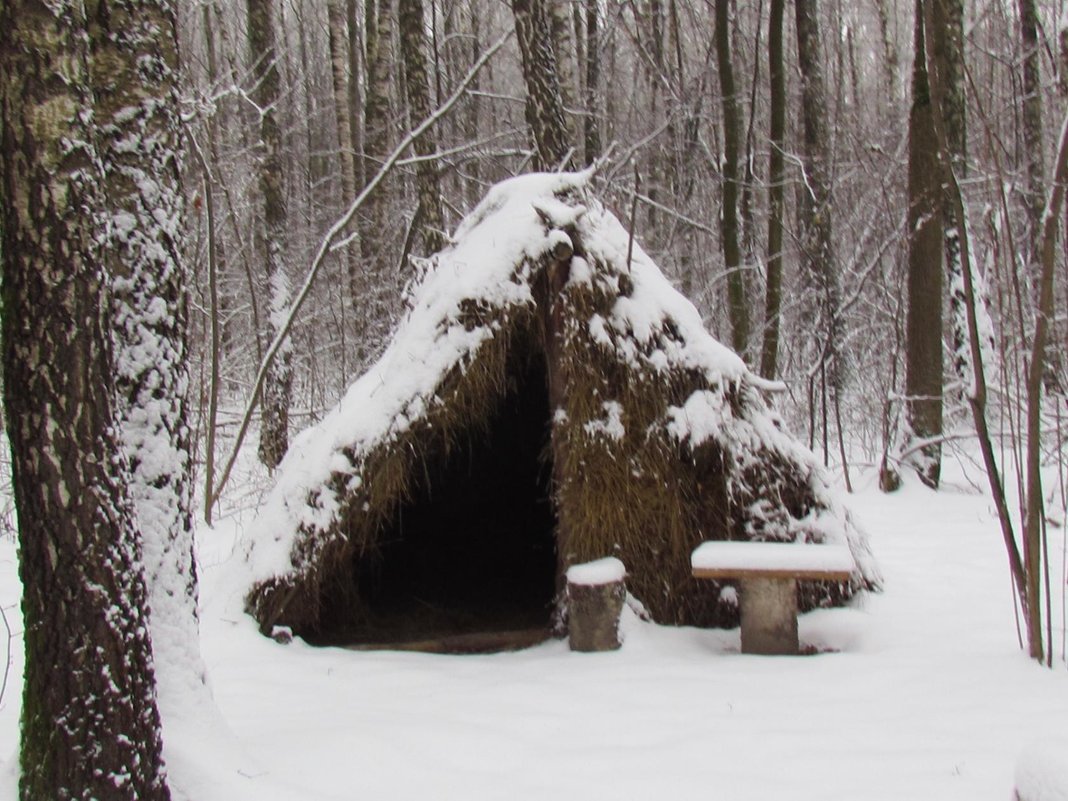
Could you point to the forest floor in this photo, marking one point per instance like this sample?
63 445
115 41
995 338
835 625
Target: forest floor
920 692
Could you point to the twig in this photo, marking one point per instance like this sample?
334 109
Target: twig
633 215
7 658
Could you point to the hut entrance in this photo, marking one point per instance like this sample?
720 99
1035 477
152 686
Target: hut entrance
470 563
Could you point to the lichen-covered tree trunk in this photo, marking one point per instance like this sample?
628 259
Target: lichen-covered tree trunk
413 49
769 355
272 228
737 305
545 106
134 75
90 728
819 272
923 327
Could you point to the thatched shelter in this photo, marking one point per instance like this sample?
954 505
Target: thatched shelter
548 399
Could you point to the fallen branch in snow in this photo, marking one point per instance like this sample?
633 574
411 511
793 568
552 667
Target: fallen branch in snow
327 245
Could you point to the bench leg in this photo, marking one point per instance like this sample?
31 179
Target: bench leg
769 616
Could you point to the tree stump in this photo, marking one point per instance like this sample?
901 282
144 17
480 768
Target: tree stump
595 592
769 616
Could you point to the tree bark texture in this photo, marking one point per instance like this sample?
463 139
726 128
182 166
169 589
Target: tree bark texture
266 82
134 75
340 79
769 355
947 49
737 305
376 117
339 75
544 106
818 269
413 48
561 25
923 326
890 57
90 729
1031 109
355 96
591 125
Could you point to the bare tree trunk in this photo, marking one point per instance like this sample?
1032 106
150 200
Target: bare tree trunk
413 46
563 37
317 166
379 36
1031 108
592 130
272 230
738 306
923 349
818 267
1062 60
544 107
339 63
355 99
947 48
90 726
217 247
890 57
747 225
769 355
339 38
472 111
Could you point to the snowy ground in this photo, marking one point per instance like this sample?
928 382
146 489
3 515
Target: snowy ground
925 695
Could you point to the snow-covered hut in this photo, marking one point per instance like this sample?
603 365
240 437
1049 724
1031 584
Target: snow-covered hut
548 399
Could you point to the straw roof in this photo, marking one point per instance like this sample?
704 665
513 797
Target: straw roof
659 435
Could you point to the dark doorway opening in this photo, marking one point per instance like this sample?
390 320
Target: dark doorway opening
469 564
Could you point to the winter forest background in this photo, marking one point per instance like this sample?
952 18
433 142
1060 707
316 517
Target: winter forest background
864 199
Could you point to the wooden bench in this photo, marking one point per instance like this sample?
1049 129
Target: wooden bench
767 573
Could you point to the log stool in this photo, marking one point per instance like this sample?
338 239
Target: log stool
595 593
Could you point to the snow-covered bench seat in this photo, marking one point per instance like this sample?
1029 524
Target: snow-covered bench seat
768 573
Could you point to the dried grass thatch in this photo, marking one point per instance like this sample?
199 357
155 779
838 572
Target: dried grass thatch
659 438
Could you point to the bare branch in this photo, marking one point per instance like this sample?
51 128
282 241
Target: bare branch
328 243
